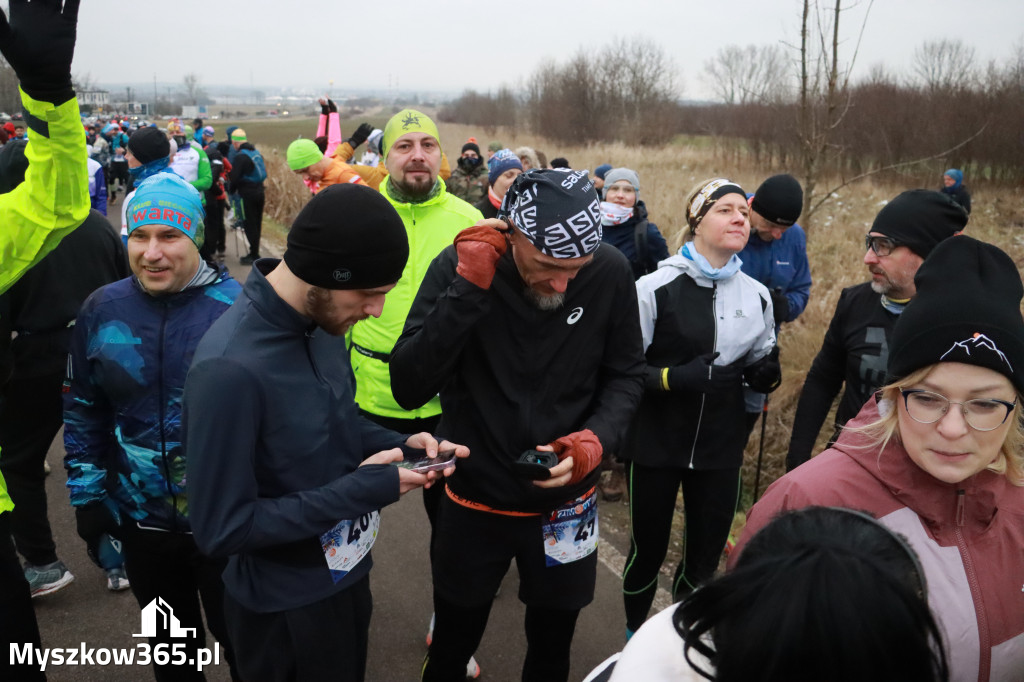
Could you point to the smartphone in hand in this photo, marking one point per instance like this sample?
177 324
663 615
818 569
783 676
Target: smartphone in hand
421 465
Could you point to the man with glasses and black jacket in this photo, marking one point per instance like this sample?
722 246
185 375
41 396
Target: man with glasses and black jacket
856 345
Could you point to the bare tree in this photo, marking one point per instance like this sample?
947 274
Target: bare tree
193 90
944 65
748 75
824 93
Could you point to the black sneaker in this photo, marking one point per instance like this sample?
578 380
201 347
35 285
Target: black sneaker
247 260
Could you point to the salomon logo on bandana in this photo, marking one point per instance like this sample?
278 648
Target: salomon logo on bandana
977 342
574 316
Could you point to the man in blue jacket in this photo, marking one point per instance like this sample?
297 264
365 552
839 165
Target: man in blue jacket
285 476
776 256
130 351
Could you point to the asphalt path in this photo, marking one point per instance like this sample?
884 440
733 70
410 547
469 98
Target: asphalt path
86 613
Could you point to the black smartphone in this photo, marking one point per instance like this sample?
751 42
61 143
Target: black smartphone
444 459
535 464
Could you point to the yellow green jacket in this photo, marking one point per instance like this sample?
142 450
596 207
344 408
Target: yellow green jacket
53 200
431 226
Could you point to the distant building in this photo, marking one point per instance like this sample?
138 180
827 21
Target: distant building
93 98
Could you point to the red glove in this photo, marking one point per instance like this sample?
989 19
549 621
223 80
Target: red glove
585 449
479 248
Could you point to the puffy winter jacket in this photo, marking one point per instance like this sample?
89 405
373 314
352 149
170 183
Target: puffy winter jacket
969 537
129 356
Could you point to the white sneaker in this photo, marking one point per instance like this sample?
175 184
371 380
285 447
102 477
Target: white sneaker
117 581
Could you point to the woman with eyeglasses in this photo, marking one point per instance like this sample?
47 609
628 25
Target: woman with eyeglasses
938 455
707 327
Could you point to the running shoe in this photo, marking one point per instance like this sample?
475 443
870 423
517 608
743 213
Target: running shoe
47 579
117 581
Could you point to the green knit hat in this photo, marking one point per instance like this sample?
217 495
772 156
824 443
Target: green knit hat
407 121
238 135
303 153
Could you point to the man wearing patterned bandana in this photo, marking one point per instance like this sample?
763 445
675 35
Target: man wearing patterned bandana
130 351
528 329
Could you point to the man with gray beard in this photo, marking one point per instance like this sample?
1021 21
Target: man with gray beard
528 328
856 345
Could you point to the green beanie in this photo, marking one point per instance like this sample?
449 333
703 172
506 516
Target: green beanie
238 135
407 121
303 154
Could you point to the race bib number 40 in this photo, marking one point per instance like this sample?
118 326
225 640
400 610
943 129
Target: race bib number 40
570 532
347 543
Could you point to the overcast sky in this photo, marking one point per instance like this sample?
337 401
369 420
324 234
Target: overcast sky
449 45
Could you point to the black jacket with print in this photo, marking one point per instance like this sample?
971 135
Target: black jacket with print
512 377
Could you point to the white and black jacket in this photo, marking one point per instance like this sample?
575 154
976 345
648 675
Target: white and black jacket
684 314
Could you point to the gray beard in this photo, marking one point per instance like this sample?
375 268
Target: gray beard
542 301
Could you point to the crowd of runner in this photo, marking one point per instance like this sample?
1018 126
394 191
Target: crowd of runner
229 445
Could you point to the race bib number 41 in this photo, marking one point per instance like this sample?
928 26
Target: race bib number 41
347 543
570 532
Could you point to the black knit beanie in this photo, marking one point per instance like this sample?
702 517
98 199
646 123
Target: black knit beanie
779 199
149 144
347 237
967 309
471 145
919 219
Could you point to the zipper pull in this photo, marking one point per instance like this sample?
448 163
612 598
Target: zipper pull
960 511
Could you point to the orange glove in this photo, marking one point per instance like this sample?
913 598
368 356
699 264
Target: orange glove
585 449
479 248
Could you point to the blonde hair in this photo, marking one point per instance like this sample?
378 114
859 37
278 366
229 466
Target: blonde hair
1009 462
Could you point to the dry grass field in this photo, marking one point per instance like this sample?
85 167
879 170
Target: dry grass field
835 236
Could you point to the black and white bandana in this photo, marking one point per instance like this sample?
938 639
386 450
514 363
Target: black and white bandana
557 210
707 196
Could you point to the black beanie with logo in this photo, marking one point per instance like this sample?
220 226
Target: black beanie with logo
967 309
779 199
347 237
919 219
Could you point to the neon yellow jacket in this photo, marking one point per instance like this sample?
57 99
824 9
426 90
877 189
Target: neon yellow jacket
431 226
53 200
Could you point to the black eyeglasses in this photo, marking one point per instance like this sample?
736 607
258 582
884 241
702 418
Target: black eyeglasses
981 414
882 246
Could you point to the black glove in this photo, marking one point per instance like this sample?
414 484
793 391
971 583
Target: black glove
324 109
780 306
702 376
93 520
360 135
332 106
765 375
38 41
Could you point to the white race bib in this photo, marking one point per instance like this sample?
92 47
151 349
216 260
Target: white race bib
570 532
347 543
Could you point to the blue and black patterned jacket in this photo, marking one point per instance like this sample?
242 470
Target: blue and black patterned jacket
130 353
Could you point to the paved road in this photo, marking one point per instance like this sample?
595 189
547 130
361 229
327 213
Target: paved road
86 612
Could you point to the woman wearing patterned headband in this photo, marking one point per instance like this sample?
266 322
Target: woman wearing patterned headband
706 328
937 456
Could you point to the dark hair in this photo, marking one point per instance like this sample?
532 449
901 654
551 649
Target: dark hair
321 143
818 594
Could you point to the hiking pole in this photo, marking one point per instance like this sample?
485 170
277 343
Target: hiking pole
760 450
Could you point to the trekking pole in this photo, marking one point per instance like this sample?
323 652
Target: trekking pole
760 450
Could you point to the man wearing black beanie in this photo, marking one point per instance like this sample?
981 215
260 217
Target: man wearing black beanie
856 345
291 493
776 256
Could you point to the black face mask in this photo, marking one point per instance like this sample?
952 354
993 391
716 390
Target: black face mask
467 164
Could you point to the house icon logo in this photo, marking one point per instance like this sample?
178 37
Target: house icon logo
158 615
